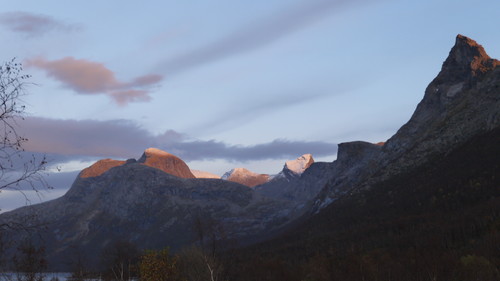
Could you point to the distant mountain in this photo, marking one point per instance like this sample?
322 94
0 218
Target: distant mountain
245 177
292 170
166 162
299 181
204 175
298 166
132 201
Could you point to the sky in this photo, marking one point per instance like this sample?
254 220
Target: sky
224 84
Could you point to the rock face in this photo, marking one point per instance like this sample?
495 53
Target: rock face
245 177
166 162
461 102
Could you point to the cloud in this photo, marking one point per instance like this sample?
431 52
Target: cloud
254 36
280 149
123 139
243 112
122 98
88 77
33 24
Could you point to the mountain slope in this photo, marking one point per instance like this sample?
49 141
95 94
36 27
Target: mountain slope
144 206
423 206
461 102
439 221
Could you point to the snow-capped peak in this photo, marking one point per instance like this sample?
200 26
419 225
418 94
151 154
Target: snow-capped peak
245 177
240 172
299 165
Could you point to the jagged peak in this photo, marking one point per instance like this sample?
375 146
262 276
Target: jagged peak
467 58
299 165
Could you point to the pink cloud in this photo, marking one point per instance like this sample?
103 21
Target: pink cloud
124 139
88 77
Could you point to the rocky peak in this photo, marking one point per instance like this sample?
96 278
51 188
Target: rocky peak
299 165
166 162
462 101
466 63
469 57
100 167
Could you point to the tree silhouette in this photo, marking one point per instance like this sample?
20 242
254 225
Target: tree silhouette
16 170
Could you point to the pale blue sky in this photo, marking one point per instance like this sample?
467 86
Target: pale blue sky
226 84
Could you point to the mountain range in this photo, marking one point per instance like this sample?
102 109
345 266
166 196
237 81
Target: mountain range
157 201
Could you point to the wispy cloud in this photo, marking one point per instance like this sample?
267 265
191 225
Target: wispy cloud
124 139
243 112
88 77
261 33
34 24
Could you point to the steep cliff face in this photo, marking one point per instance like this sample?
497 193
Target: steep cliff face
461 102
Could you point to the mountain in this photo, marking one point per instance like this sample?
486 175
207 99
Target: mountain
294 168
427 194
299 181
166 162
461 102
425 205
245 177
100 167
204 175
439 221
142 205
